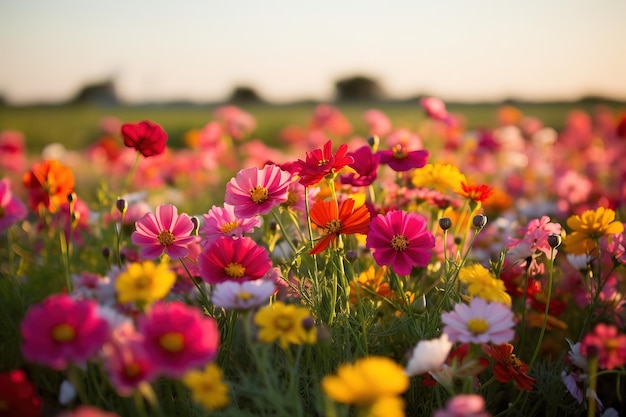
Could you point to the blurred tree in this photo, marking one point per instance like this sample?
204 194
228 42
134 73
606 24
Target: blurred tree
358 87
246 94
100 93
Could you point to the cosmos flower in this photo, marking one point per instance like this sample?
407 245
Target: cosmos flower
365 167
148 138
233 259
12 151
400 240
481 283
378 124
508 366
62 329
321 162
428 355
285 323
163 232
588 227
231 295
256 191
435 108
335 220
143 283
479 322
441 177
609 344
48 183
178 337
237 123
464 405
400 159
207 387
221 221
12 209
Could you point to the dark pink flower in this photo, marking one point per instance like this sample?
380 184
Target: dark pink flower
233 259
400 240
464 405
163 232
366 166
12 209
321 162
399 158
146 137
609 344
62 329
178 337
18 396
256 191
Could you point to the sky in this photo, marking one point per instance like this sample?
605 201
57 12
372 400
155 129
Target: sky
289 50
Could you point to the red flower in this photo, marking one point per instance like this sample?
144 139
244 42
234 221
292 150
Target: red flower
337 220
148 138
478 193
49 184
18 396
321 162
507 366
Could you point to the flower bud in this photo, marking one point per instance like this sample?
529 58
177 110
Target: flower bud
554 240
196 224
479 221
308 323
373 141
351 255
122 205
71 197
106 252
445 223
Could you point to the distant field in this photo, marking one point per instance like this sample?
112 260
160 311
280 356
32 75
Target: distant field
76 127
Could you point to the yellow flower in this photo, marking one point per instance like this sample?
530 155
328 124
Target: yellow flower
366 381
207 387
144 282
588 227
384 407
285 323
370 282
481 283
441 177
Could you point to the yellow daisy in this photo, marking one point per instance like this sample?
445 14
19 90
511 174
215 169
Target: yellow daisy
481 283
441 177
144 283
588 227
207 387
286 323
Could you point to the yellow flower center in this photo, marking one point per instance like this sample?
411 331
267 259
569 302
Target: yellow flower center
322 162
132 370
244 295
2 211
229 227
283 323
259 194
477 325
399 243
172 342
235 270
292 199
515 362
63 333
399 151
166 238
333 226
142 282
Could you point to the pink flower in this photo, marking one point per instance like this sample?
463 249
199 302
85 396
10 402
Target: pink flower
366 166
221 221
378 123
256 191
178 337
464 405
166 232
62 329
12 209
146 137
12 151
401 240
237 122
434 108
233 259
87 411
479 322
609 344
330 120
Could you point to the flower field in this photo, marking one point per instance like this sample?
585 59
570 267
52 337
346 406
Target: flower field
429 269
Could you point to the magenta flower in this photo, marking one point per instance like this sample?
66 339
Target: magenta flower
400 240
12 209
12 151
166 232
221 221
178 337
399 158
256 191
234 259
62 329
479 322
608 343
365 166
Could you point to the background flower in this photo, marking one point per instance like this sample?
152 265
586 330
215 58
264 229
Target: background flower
147 137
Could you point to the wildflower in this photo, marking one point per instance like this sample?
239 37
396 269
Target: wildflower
435 108
459 365
231 295
62 329
428 355
12 151
329 120
335 220
508 366
163 232
207 387
441 177
369 383
481 283
221 221
144 283
178 337
400 240
296 197
365 167
464 405
87 411
233 259
48 184
610 345
148 138
256 191
370 281
237 122
588 227
321 162
477 193
400 158
378 124
479 322
12 209
285 323
18 396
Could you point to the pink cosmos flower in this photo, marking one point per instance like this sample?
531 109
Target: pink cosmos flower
479 322
434 108
62 329
256 191
12 209
609 344
400 240
87 411
464 405
163 232
366 166
12 151
233 260
400 159
231 295
237 122
221 221
178 337
330 120
296 197
321 162
377 122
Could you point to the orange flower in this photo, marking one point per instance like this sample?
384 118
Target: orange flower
336 220
478 193
370 282
49 184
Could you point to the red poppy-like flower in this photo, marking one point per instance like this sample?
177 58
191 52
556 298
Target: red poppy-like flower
48 183
146 137
321 162
336 220
478 193
18 396
507 366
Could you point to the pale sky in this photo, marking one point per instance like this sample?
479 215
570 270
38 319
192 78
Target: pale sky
200 50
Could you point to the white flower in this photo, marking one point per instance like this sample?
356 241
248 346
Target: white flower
67 392
245 295
428 355
580 262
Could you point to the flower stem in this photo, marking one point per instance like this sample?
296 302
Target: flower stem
547 309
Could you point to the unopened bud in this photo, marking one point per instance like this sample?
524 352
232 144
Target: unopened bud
351 255
122 205
106 252
554 240
196 224
479 221
445 223
373 141
71 197
308 323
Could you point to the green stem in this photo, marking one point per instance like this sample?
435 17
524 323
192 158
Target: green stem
283 231
547 309
199 286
